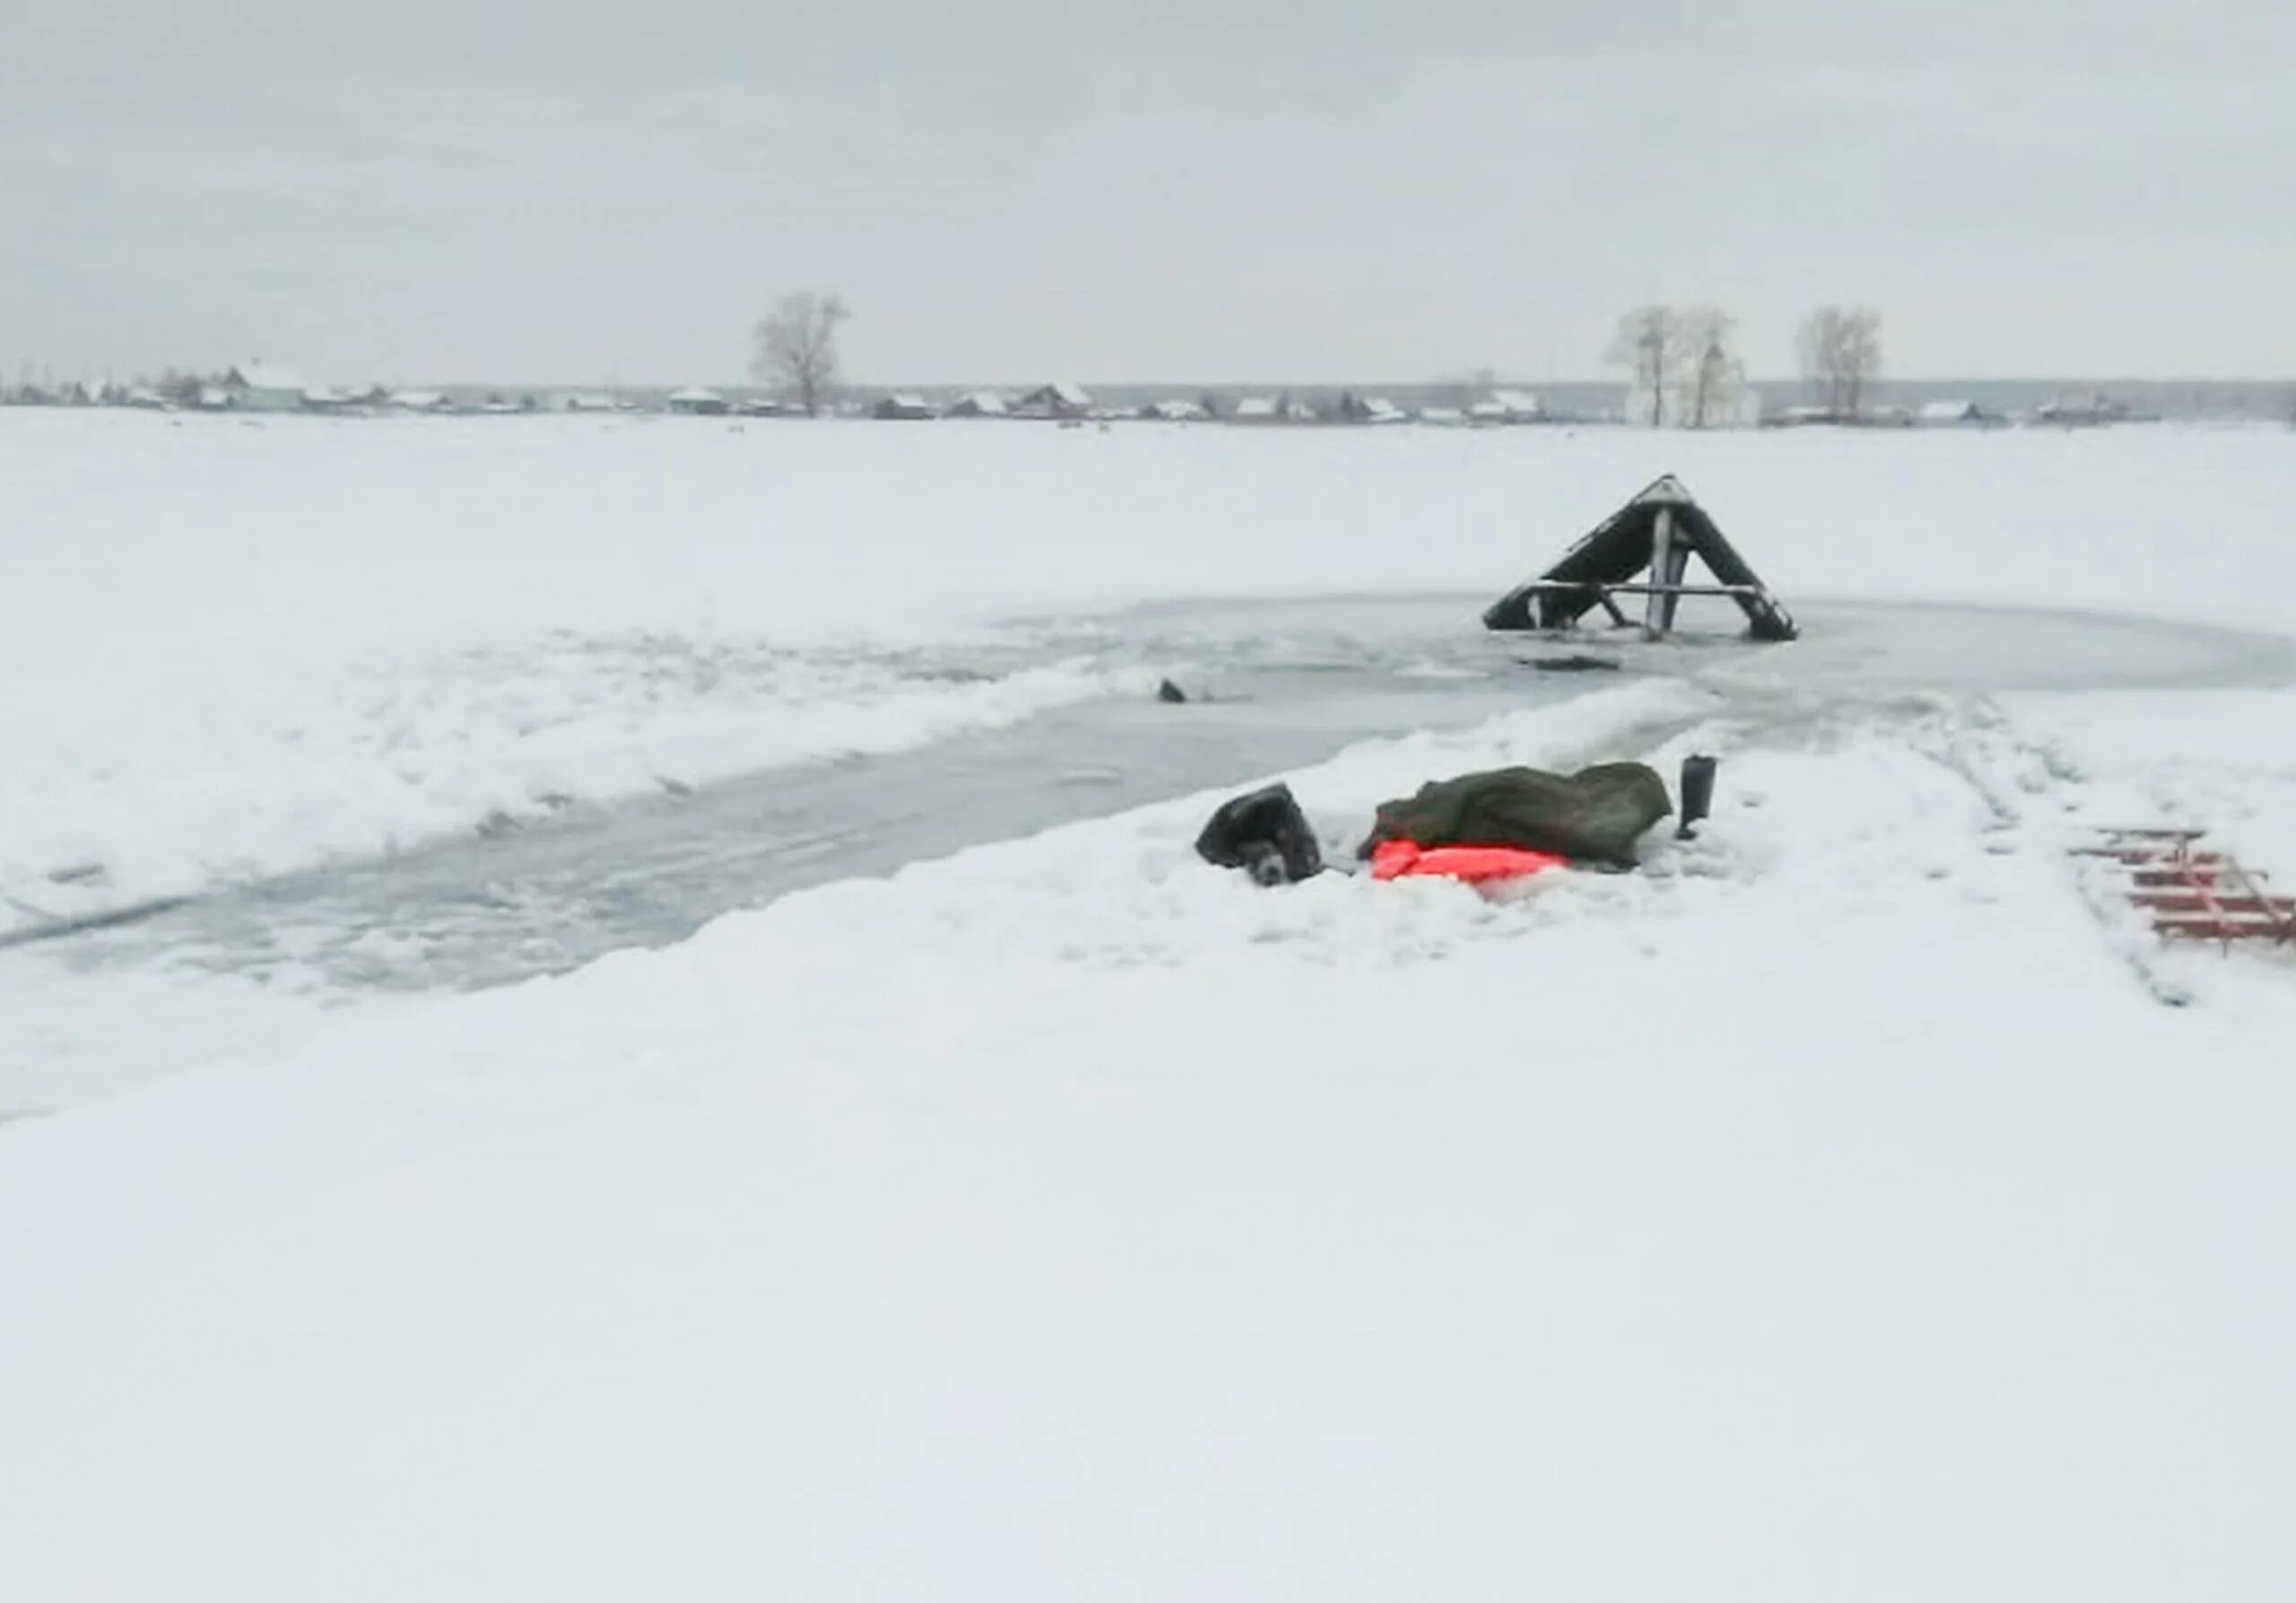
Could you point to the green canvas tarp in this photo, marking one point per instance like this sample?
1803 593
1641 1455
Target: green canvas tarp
1593 815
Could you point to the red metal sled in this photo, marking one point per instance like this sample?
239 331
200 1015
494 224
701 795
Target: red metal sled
2193 894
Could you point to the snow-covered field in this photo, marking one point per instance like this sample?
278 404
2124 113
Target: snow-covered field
1832 1209
230 645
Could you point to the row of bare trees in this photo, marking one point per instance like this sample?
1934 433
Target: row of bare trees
1683 367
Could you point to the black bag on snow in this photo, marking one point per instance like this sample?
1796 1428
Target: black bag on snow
1265 833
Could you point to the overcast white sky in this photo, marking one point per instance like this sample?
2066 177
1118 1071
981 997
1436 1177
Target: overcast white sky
1239 189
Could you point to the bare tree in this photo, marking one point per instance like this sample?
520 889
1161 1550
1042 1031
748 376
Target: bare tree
797 344
1648 344
1815 344
182 385
1861 355
1841 353
1463 389
1707 386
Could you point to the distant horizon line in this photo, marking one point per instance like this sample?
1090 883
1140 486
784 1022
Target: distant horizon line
1223 386
49 374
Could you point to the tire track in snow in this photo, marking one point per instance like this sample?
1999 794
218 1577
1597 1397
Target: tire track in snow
1982 746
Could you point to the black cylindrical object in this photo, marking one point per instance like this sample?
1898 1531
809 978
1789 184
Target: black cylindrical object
1697 794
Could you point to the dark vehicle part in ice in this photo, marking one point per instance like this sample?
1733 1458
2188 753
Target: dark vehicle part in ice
1659 530
1576 663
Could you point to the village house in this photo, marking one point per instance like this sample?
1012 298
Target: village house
259 387
1953 415
979 403
2082 412
1800 417
1502 406
903 408
698 402
1056 400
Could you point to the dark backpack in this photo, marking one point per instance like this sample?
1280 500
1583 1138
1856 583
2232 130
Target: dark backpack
1264 833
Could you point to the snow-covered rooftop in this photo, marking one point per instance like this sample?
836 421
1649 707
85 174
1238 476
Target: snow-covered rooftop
264 375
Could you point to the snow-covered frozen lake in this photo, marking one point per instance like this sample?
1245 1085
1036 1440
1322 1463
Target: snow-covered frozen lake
236 647
1278 684
529 1162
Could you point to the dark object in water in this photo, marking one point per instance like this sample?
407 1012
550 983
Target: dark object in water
1171 695
1660 531
1576 663
1698 795
1593 815
1265 833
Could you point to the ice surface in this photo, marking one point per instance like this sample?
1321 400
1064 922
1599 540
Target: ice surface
138 797
1281 684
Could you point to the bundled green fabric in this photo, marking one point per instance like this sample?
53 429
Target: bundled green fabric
1596 815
